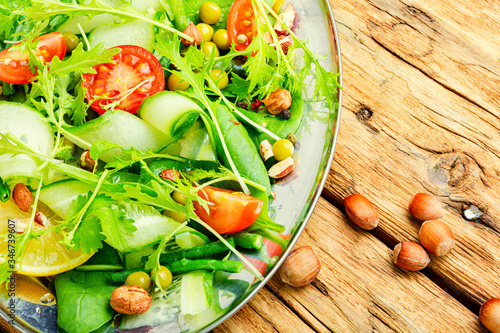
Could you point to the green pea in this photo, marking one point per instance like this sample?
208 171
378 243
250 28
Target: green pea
221 39
175 82
140 279
208 48
164 276
207 32
71 40
209 12
282 149
219 74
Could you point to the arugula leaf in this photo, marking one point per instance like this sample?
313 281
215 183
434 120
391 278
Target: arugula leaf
82 61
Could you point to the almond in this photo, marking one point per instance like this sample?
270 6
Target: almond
22 197
490 314
410 256
192 31
130 300
300 268
361 211
282 168
425 207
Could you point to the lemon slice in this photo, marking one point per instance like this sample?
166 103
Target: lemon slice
44 256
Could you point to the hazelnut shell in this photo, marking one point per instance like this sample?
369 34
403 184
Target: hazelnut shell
425 207
490 314
361 211
410 256
300 268
436 237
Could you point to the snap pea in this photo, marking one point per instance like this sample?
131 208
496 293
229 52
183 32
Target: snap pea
247 240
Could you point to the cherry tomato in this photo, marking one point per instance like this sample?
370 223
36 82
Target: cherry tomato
241 26
134 75
14 66
229 211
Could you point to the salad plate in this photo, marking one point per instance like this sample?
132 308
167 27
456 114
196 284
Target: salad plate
295 198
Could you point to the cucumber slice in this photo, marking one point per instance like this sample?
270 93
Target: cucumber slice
87 23
138 33
32 129
196 292
150 224
145 5
162 310
190 293
59 196
123 129
194 144
188 240
170 112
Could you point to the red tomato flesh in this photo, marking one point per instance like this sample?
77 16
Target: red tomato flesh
229 211
14 66
134 74
241 22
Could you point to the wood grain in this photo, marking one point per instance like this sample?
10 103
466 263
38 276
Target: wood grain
421 113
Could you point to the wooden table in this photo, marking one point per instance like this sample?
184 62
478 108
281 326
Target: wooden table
420 114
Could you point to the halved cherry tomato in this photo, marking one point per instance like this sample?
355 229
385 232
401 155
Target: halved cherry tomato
241 26
229 211
134 74
14 66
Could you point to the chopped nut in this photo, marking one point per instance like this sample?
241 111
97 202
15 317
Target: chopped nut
22 197
130 300
41 219
285 43
170 174
20 225
282 168
278 101
86 162
286 114
288 17
192 31
266 150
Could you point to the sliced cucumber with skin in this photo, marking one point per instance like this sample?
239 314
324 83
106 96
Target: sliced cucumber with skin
59 196
190 293
123 129
30 127
88 23
138 33
194 144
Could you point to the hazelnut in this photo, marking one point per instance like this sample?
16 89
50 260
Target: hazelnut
361 211
436 237
490 314
278 101
192 31
410 256
22 197
425 207
86 162
130 300
282 168
300 268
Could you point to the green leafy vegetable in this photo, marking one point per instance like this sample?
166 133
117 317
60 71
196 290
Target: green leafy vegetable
83 300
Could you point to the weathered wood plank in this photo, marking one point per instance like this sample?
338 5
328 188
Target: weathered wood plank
405 131
360 290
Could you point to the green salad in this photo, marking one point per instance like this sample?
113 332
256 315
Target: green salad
139 141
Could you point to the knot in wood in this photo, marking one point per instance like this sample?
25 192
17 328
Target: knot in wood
364 113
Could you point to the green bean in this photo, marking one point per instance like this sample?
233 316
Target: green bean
248 241
198 252
120 277
4 191
186 265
